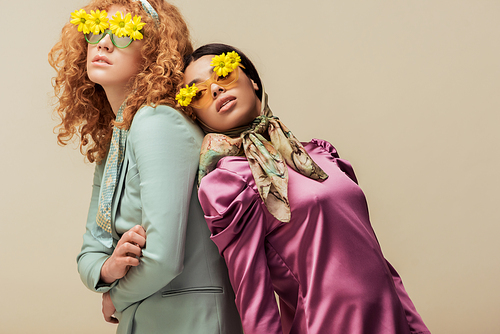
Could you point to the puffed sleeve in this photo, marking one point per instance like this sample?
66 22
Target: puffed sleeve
235 215
344 165
166 152
93 254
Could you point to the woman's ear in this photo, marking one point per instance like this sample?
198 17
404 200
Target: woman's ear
255 86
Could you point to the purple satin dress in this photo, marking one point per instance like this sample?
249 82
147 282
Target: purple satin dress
325 265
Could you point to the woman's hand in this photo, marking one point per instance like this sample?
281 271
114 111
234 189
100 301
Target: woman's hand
108 309
126 255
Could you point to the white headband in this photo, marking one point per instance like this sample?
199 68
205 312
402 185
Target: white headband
150 10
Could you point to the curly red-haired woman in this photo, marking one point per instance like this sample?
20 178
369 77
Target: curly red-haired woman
146 245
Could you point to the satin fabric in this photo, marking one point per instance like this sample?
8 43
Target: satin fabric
326 264
269 147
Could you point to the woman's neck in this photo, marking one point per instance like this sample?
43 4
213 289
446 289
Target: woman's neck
116 97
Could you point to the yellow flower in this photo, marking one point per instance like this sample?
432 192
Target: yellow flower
98 21
233 59
222 65
191 90
79 18
186 94
121 26
136 27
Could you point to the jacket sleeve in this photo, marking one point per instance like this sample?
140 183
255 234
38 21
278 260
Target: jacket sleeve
93 254
235 216
166 152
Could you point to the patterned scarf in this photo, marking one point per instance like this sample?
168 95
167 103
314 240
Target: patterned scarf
267 157
102 229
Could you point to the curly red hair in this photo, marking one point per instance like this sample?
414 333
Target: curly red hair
82 105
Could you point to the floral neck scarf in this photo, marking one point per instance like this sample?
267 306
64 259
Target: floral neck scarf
267 157
102 229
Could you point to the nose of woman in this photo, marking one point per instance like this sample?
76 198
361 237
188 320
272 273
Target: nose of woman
216 90
106 44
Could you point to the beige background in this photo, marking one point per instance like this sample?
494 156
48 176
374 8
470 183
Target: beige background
408 91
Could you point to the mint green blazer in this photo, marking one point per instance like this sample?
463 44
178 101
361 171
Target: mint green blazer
181 285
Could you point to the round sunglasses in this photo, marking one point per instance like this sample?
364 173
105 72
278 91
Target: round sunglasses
119 42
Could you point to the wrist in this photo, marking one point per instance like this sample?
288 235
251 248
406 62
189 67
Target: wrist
105 276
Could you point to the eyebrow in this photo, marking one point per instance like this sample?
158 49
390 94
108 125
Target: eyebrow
193 82
198 80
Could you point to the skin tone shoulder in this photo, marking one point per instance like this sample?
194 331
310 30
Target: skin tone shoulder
228 108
